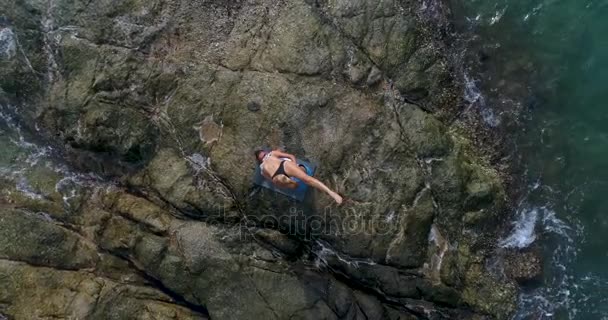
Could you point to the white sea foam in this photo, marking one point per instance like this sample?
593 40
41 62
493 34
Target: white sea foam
7 118
523 233
24 187
35 155
68 188
8 44
489 117
498 15
552 224
563 291
523 230
39 153
473 95
13 125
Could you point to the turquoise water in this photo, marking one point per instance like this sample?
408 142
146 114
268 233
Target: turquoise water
548 60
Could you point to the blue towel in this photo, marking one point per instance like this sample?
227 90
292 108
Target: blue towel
298 193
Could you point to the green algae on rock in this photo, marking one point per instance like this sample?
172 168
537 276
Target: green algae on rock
173 97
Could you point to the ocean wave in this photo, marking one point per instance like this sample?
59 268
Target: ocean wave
473 95
523 233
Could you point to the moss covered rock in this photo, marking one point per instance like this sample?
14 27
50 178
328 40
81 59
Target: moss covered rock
170 98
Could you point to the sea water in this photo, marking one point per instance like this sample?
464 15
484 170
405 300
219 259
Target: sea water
546 62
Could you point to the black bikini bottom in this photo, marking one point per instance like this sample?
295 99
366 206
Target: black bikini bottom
281 170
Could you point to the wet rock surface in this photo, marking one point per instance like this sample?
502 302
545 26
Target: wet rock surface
167 101
525 266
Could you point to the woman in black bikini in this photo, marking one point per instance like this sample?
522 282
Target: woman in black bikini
279 167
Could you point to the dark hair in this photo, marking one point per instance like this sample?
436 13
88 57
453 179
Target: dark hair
257 154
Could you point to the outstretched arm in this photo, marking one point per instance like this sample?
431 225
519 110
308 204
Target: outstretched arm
281 154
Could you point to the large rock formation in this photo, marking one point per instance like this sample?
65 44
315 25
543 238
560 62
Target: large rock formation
167 100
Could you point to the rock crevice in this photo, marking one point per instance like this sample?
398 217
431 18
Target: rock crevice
167 101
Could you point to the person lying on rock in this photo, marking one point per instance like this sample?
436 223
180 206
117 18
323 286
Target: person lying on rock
280 167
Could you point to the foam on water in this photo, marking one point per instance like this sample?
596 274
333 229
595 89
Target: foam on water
8 45
473 95
516 45
561 290
498 16
533 12
432 10
523 230
564 294
24 187
33 155
8 119
68 188
15 134
556 294
552 224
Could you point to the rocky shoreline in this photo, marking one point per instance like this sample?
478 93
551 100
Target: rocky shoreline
161 104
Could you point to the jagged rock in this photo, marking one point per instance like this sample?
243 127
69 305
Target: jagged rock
279 240
165 96
389 34
488 295
40 292
25 236
375 75
524 266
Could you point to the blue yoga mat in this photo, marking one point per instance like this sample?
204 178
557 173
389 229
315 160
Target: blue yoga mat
298 193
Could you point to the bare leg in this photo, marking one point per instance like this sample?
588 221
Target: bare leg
297 172
284 182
